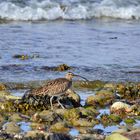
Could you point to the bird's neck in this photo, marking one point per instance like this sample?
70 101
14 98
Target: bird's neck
69 78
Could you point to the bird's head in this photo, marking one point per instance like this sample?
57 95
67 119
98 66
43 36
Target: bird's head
70 75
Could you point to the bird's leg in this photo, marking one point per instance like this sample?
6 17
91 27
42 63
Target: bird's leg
51 102
60 103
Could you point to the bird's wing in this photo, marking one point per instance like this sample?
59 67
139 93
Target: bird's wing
53 87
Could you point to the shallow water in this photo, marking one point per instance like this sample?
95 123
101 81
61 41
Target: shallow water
104 49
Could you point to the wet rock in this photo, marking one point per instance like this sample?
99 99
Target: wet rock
83 122
129 121
7 96
59 136
88 112
102 98
59 127
121 106
62 67
36 134
89 84
38 126
116 136
110 86
78 117
21 56
90 137
15 118
72 95
72 114
2 120
11 128
46 116
108 120
25 56
132 135
129 91
2 86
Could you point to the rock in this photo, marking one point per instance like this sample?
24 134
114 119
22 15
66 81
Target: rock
11 128
120 105
2 87
59 136
21 56
89 84
59 127
102 98
120 88
83 123
110 86
15 118
74 96
122 130
36 134
108 120
62 67
2 121
116 136
129 121
88 112
71 99
46 116
72 114
90 137
132 135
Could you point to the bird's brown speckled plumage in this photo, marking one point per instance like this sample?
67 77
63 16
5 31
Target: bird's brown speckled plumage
53 88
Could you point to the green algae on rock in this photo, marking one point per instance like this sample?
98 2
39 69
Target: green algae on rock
116 136
59 127
129 121
108 120
89 84
102 98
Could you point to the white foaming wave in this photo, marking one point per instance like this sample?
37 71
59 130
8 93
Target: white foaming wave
47 10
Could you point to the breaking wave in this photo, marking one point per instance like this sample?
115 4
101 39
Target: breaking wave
68 9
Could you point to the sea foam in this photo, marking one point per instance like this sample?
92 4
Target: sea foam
70 10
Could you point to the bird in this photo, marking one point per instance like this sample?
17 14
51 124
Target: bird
55 88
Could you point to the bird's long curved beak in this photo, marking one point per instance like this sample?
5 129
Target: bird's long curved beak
81 77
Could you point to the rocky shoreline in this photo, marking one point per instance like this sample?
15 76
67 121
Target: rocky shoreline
29 119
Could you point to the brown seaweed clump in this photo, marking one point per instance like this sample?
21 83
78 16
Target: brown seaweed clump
62 67
129 91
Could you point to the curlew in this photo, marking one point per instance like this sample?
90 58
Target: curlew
55 88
